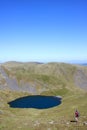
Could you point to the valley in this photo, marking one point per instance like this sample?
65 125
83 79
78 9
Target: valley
19 80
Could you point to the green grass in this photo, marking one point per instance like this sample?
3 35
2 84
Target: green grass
61 92
34 119
59 81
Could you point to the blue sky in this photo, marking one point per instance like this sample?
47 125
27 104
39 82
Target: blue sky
43 30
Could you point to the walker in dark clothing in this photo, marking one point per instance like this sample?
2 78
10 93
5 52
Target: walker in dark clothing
76 115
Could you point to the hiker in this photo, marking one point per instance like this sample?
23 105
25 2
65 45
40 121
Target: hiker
76 115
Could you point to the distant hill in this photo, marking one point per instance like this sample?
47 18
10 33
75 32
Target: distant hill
36 77
84 64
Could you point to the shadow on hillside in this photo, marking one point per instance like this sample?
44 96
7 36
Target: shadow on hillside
36 101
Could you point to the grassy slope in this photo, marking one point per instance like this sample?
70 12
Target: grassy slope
56 118
51 75
31 119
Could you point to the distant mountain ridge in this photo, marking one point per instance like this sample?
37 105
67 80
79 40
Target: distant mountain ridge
84 64
38 78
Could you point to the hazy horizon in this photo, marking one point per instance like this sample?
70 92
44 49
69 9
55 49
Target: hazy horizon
43 62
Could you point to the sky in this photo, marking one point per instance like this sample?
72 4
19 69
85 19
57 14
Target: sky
43 30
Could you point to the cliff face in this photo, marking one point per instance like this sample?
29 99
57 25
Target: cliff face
80 78
36 78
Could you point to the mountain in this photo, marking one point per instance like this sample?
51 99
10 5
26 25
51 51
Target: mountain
84 64
37 78
18 80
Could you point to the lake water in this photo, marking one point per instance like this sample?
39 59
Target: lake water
36 101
